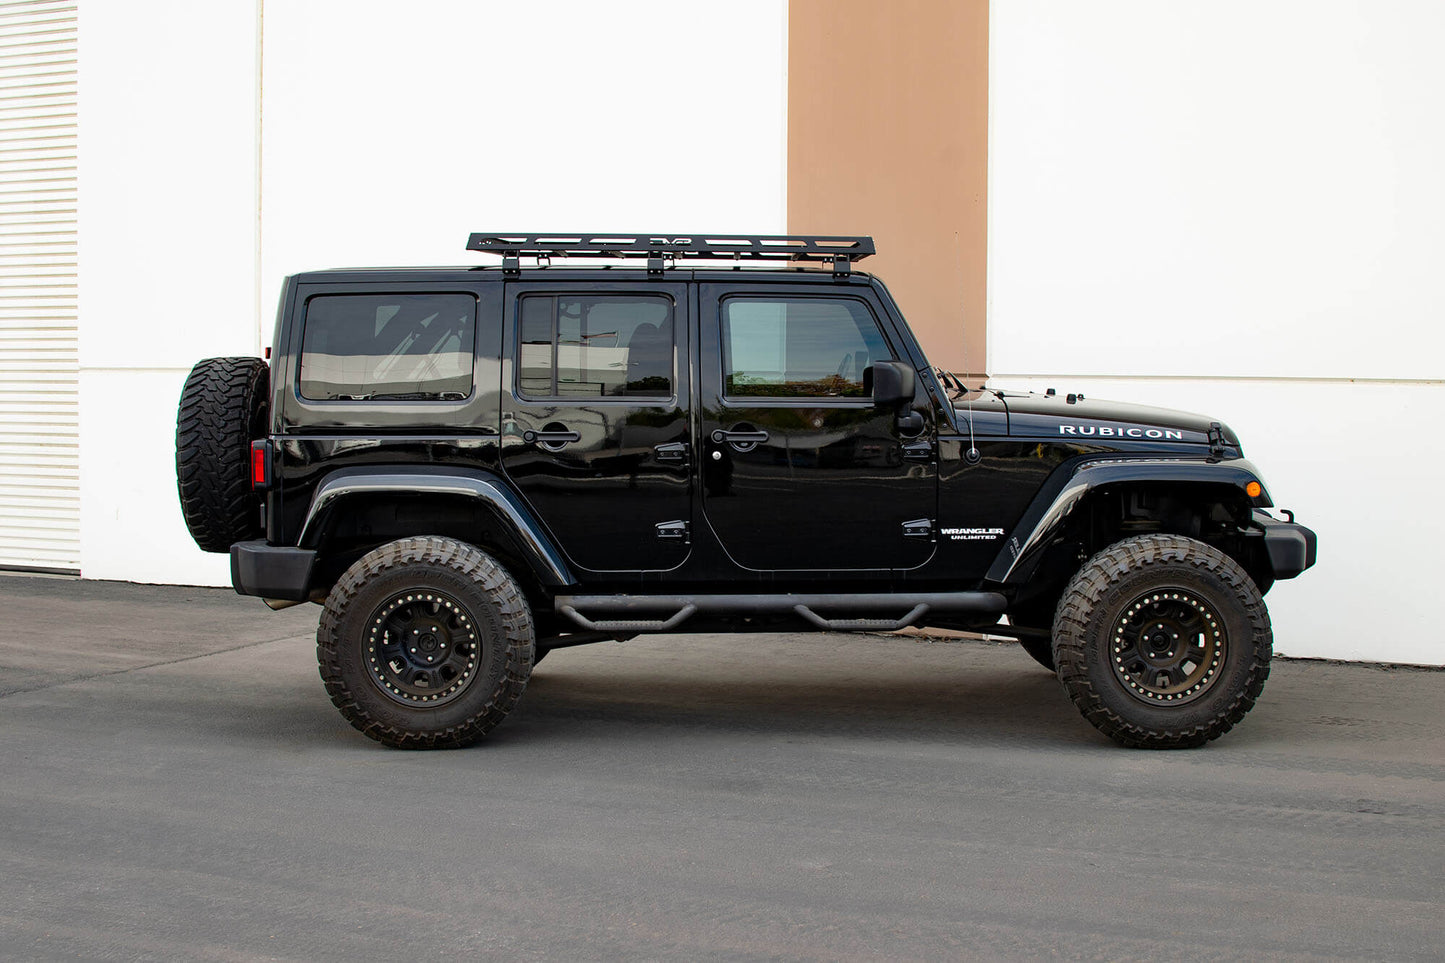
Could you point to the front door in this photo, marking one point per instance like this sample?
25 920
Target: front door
595 419
800 471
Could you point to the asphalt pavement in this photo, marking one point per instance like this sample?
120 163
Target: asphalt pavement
176 785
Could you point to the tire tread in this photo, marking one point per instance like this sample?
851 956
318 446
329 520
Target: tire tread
465 560
215 419
1086 590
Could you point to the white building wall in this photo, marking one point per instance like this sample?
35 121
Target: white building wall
1231 207
391 133
168 255
227 145
1237 208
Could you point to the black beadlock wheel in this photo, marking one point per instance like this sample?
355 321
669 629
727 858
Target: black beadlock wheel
425 643
224 405
1162 642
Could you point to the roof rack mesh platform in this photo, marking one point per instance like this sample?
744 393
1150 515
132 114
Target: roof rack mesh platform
838 250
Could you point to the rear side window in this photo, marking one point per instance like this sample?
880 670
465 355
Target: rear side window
798 347
595 346
388 347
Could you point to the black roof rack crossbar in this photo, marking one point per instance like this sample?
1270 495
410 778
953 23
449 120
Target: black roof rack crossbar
839 250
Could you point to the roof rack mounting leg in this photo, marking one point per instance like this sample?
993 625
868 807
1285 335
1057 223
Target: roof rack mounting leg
842 265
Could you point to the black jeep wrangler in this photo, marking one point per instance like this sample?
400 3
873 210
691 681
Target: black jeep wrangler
471 467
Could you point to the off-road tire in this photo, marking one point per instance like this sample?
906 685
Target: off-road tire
1113 632
458 596
224 405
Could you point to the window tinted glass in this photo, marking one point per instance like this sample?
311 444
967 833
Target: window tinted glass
804 347
595 346
396 347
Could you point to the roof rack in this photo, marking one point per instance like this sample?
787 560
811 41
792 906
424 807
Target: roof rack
840 251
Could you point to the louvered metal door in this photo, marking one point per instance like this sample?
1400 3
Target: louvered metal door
39 409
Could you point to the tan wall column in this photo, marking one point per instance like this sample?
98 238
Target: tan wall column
888 136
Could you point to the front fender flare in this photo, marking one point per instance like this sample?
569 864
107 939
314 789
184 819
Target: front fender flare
546 561
1068 486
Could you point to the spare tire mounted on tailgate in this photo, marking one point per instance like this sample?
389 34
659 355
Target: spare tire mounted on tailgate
224 405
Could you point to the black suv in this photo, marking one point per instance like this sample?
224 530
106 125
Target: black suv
471 467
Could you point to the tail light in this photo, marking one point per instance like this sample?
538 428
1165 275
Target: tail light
261 465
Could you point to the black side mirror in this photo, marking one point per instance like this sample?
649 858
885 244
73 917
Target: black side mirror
890 382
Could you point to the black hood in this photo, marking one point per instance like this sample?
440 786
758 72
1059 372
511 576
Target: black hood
1057 417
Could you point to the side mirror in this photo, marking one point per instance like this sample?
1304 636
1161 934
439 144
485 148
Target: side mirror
890 382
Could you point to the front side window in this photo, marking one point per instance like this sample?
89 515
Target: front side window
595 346
798 347
388 347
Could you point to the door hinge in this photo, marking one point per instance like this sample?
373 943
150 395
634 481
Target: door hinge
918 528
674 531
671 453
918 450
1216 440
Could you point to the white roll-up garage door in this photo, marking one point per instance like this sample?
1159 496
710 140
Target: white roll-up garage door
39 405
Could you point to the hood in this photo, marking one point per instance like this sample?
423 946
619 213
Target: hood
1057 417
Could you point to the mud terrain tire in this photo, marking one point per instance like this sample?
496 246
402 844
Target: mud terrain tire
224 405
425 643
1163 642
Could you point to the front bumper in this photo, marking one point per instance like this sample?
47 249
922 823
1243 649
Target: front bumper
272 571
1291 547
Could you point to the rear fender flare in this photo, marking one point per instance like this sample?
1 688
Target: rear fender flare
539 551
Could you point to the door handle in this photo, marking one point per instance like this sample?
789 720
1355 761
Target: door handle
550 439
753 437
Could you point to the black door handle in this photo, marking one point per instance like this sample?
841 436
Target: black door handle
550 438
753 437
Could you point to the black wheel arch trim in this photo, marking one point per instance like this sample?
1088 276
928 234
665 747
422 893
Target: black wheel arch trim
1068 485
539 551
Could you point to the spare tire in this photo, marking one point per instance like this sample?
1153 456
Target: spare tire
224 405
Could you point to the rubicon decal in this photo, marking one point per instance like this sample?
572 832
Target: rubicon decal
973 534
1122 431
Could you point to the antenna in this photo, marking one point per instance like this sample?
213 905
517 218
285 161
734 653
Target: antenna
972 456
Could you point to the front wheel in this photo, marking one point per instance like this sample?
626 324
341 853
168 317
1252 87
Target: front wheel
425 643
1162 642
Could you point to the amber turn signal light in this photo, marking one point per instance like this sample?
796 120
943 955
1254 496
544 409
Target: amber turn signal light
1254 489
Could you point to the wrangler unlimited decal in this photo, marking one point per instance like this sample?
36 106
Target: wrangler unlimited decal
973 534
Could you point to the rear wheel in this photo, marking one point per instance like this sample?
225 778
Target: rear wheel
425 643
1163 642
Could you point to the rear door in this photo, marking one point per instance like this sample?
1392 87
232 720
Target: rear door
800 471
595 429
